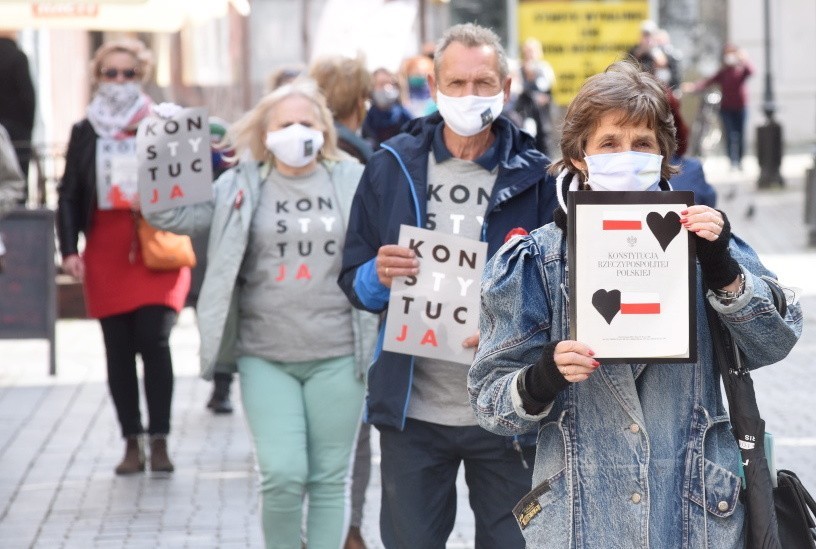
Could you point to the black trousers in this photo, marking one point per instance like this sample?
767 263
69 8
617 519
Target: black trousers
145 331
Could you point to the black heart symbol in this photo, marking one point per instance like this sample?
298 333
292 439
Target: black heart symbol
664 227
607 303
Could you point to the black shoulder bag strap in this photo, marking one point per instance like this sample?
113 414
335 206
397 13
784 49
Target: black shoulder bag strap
789 510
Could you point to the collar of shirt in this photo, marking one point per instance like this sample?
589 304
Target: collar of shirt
489 159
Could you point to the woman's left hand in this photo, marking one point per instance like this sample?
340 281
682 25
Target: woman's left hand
703 221
713 231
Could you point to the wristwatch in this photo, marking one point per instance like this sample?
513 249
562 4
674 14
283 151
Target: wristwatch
725 296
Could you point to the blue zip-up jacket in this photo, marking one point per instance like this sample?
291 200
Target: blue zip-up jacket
392 192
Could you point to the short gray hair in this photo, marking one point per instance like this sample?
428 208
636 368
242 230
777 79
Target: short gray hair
472 36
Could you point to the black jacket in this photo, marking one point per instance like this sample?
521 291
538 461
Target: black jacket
17 101
77 190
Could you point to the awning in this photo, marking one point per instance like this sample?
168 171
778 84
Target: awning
113 15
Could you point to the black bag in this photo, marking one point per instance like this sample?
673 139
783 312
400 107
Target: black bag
778 518
795 511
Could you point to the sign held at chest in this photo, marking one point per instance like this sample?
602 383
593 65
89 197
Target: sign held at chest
432 313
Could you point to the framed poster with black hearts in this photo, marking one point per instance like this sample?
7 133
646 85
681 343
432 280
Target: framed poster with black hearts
632 276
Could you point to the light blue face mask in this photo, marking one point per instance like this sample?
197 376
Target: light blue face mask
624 171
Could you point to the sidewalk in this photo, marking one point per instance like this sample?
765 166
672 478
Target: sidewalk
59 439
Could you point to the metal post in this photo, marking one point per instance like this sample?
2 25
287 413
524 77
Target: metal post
423 25
769 135
305 17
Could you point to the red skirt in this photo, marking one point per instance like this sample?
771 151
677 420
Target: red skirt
116 280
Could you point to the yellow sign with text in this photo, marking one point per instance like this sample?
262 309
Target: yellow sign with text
581 38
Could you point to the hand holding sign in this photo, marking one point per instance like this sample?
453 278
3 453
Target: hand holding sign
393 260
174 160
434 312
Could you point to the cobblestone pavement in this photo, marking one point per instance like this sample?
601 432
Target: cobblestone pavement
59 439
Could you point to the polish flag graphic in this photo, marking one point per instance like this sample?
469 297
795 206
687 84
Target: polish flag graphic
640 303
621 220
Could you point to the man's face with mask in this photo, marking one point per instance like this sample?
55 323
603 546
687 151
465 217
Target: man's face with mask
468 88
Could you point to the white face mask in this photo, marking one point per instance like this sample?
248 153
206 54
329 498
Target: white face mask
624 171
295 145
468 115
385 97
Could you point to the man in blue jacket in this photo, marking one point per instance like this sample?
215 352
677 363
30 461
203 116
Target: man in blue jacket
467 171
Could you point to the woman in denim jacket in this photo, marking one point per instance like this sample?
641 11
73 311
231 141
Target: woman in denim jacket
628 455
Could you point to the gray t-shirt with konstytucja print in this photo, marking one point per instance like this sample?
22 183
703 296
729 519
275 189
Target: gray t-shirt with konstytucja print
458 194
290 306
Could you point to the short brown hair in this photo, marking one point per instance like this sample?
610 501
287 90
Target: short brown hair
621 87
344 81
136 48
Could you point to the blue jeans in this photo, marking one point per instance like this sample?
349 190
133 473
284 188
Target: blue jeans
419 467
733 123
304 419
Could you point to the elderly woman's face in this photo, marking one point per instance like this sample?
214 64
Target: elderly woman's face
612 137
119 67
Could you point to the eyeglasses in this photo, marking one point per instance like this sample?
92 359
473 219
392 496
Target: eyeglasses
127 74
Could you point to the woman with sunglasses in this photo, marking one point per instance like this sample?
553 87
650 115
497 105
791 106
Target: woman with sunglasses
137 307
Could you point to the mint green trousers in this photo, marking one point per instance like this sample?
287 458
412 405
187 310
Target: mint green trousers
303 418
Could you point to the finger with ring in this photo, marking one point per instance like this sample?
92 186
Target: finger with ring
386 272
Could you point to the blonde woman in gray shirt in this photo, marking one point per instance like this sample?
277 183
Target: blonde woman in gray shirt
270 300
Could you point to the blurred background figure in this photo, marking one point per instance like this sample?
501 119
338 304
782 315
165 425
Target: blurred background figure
668 60
642 52
346 84
17 100
284 75
656 54
731 78
12 182
415 71
387 113
691 176
533 105
136 307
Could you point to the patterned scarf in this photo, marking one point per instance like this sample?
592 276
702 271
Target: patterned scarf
117 108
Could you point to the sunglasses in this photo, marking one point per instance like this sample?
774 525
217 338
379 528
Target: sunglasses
128 74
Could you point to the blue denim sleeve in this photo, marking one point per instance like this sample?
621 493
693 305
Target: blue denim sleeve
368 287
513 328
763 335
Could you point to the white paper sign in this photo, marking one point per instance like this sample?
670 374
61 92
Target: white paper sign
430 314
175 166
116 173
631 269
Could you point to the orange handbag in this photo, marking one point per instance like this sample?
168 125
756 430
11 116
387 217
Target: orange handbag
163 250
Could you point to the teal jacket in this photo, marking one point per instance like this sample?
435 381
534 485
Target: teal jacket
228 216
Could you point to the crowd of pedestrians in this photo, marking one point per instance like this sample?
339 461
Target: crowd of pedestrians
299 249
